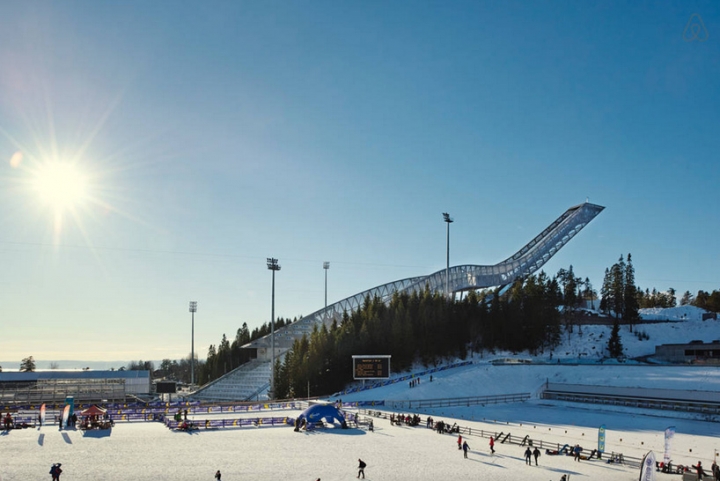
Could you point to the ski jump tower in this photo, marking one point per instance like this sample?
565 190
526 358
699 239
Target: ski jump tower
468 277
462 278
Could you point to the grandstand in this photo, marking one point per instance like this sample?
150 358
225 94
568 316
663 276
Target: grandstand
248 382
457 279
85 386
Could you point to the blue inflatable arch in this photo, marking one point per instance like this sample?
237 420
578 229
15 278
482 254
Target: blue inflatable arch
321 412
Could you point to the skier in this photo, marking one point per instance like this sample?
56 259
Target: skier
492 445
460 442
218 475
465 448
536 453
361 468
528 455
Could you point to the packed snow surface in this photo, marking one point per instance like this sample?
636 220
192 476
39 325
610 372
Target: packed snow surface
150 451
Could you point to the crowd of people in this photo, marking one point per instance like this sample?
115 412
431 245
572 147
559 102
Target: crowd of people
407 419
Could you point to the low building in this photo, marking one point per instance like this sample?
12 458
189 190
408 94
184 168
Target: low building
697 352
84 386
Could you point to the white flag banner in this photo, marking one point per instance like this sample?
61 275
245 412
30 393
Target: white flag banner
669 434
647 470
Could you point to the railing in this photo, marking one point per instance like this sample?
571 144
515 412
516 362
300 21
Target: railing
232 423
704 402
457 402
503 438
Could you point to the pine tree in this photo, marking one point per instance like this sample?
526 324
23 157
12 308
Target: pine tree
605 292
615 347
630 298
589 293
617 287
27 364
687 299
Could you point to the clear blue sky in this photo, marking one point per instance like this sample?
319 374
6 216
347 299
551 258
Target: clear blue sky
212 135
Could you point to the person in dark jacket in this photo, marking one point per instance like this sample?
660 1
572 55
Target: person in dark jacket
55 471
361 468
465 448
700 471
528 455
536 453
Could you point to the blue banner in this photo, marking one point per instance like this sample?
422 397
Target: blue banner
601 439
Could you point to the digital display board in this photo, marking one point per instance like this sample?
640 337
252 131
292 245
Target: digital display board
371 367
165 387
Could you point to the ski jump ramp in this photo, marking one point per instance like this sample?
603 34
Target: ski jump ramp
523 263
254 377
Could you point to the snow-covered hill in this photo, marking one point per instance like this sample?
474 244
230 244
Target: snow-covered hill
679 313
589 343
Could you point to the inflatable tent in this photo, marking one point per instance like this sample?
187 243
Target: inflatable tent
320 413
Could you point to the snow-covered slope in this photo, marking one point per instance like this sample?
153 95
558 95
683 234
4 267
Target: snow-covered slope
679 313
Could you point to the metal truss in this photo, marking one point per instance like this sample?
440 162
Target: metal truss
523 263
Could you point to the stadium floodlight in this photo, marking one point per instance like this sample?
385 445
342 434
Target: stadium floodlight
326 266
448 220
273 265
193 310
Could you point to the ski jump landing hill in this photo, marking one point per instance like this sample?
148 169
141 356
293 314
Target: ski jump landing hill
251 382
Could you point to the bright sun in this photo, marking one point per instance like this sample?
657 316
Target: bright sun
61 186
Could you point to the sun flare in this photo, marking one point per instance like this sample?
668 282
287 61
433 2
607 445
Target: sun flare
61 186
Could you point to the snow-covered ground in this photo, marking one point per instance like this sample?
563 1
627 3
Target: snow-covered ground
588 343
149 451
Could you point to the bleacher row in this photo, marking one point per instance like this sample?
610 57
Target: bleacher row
244 383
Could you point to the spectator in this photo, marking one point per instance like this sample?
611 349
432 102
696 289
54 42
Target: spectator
361 468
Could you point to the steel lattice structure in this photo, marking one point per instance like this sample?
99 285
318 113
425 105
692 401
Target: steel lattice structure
523 263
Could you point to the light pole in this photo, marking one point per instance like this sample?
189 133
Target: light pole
448 220
193 310
326 266
273 265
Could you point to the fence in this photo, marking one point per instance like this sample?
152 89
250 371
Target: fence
455 402
504 438
232 423
705 402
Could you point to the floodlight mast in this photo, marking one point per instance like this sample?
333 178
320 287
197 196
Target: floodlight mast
273 265
326 266
193 310
448 220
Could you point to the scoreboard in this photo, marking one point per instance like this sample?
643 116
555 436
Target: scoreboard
371 367
166 387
